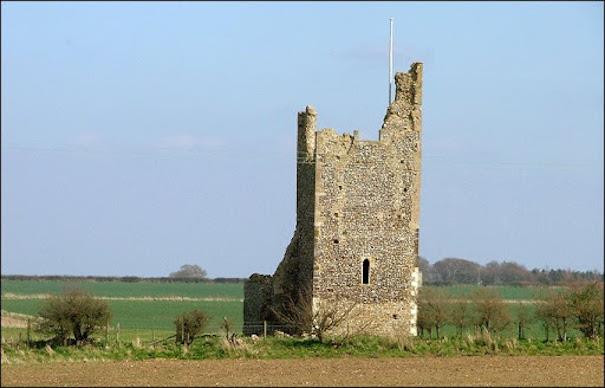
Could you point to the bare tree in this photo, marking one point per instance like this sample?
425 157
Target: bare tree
490 311
423 321
587 305
460 316
432 309
189 271
513 273
490 273
319 319
429 274
523 317
454 270
556 312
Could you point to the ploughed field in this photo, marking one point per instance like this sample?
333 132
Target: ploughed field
146 309
412 371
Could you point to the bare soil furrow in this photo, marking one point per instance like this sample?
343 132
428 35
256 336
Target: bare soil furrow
413 371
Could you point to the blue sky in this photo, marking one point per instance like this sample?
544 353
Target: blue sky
137 137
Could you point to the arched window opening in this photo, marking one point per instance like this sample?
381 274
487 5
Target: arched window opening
366 271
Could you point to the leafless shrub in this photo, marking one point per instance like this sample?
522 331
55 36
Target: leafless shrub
432 310
587 305
318 320
460 316
556 312
227 327
523 317
490 312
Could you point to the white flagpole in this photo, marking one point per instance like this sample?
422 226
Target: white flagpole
390 59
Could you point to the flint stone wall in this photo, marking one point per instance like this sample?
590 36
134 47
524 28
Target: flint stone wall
357 200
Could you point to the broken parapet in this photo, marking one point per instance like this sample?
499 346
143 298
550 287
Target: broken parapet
306 134
405 112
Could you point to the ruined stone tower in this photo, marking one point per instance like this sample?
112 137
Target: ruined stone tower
357 225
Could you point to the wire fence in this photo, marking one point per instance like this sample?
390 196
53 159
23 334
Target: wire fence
30 336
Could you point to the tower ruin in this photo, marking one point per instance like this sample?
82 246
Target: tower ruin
357 225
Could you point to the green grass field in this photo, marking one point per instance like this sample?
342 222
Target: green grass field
534 330
136 318
506 292
201 290
147 318
126 289
148 315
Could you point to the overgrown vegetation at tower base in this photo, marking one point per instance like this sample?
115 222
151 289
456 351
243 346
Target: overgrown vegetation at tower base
479 330
217 347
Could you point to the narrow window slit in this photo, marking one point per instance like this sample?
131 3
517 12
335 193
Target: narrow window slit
366 271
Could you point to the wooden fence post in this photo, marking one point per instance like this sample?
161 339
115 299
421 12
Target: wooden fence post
265 329
29 327
118 334
183 331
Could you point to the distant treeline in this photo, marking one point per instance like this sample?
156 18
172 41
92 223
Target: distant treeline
461 271
447 271
132 279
